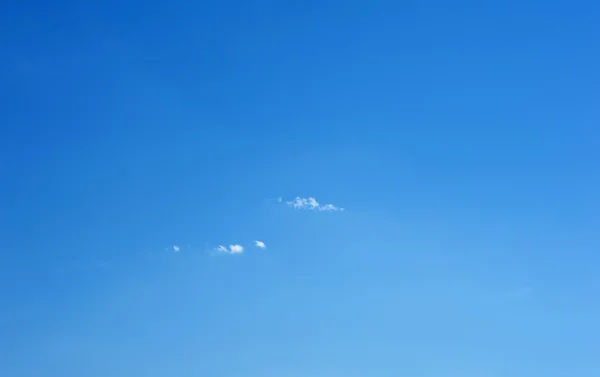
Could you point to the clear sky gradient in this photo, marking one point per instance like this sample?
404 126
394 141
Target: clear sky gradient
462 139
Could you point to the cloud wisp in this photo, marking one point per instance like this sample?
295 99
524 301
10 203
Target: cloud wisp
232 249
236 249
311 204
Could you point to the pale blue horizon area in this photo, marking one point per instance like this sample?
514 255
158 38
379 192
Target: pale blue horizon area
461 139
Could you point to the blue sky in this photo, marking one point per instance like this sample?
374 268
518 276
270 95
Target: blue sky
461 138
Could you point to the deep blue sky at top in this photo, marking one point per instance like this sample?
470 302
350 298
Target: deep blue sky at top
461 136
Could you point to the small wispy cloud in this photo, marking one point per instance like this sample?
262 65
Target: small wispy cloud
176 248
311 204
260 244
236 249
232 249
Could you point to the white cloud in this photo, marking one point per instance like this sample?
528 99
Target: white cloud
231 249
260 244
236 249
176 248
312 204
330 207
